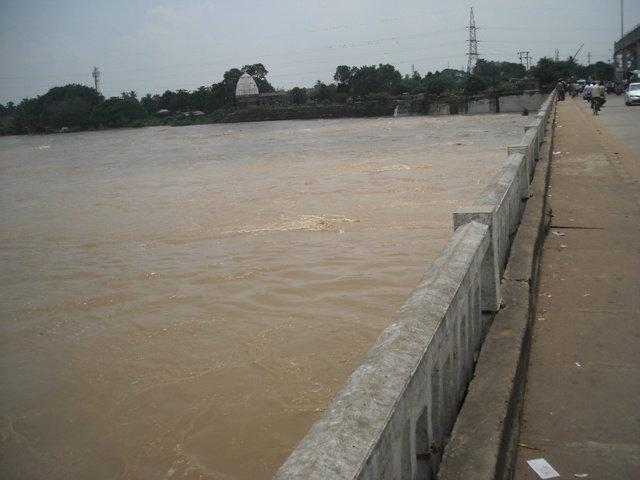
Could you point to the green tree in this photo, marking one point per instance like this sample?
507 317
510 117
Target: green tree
70 112
217 97
297 95
119 112
257 71
230 80
132 95
181 101
343 74
435 85
8 125
370 79
548 71
602 71
72 90
493 73
199 99
151 103
30 117
474 84
322 92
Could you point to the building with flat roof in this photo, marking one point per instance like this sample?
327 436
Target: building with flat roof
627 52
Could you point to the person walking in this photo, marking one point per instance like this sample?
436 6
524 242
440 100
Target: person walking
561 89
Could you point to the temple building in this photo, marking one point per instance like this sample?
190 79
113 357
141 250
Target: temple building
248 94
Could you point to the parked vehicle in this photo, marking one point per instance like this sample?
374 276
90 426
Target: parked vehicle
632 94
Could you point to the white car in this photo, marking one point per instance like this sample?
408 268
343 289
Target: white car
632 94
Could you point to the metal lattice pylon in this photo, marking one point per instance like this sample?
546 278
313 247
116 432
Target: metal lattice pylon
96 78
473 44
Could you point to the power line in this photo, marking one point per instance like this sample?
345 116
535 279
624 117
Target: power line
342 46
331 47
553 29
314 61
299 74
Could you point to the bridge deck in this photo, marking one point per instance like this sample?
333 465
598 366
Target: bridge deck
581 409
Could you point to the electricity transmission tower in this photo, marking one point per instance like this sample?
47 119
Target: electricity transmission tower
526 57
96 78
557 55
473 44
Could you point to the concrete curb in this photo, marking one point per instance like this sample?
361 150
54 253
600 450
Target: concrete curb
483 442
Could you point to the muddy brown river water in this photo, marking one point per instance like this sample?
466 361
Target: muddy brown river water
184 302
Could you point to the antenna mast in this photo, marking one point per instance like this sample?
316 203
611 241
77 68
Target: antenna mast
473 44
96 78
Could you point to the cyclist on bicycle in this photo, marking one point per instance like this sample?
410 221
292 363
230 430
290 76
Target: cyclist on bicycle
597 96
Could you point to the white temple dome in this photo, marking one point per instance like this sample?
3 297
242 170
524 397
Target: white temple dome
246 86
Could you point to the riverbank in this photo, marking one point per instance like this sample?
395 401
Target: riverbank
421 104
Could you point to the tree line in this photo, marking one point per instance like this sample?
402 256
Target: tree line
79 107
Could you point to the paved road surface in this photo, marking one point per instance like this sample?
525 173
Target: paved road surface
581 406
622 121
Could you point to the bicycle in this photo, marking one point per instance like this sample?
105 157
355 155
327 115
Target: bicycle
595 105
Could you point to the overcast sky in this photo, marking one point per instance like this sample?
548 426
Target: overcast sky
153 45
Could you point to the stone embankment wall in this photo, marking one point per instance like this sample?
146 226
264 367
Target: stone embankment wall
512 102
308 112
393 417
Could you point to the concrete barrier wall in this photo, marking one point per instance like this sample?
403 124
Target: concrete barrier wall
516 103
389 420
394 415
501 204
496 103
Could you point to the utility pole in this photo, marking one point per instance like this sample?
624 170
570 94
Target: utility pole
525 55
621 18
96 78
473 44
556 57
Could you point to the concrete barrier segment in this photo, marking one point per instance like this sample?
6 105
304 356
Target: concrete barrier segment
505 192
531 139
486 214
525 150
484 438
394 414
538 126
